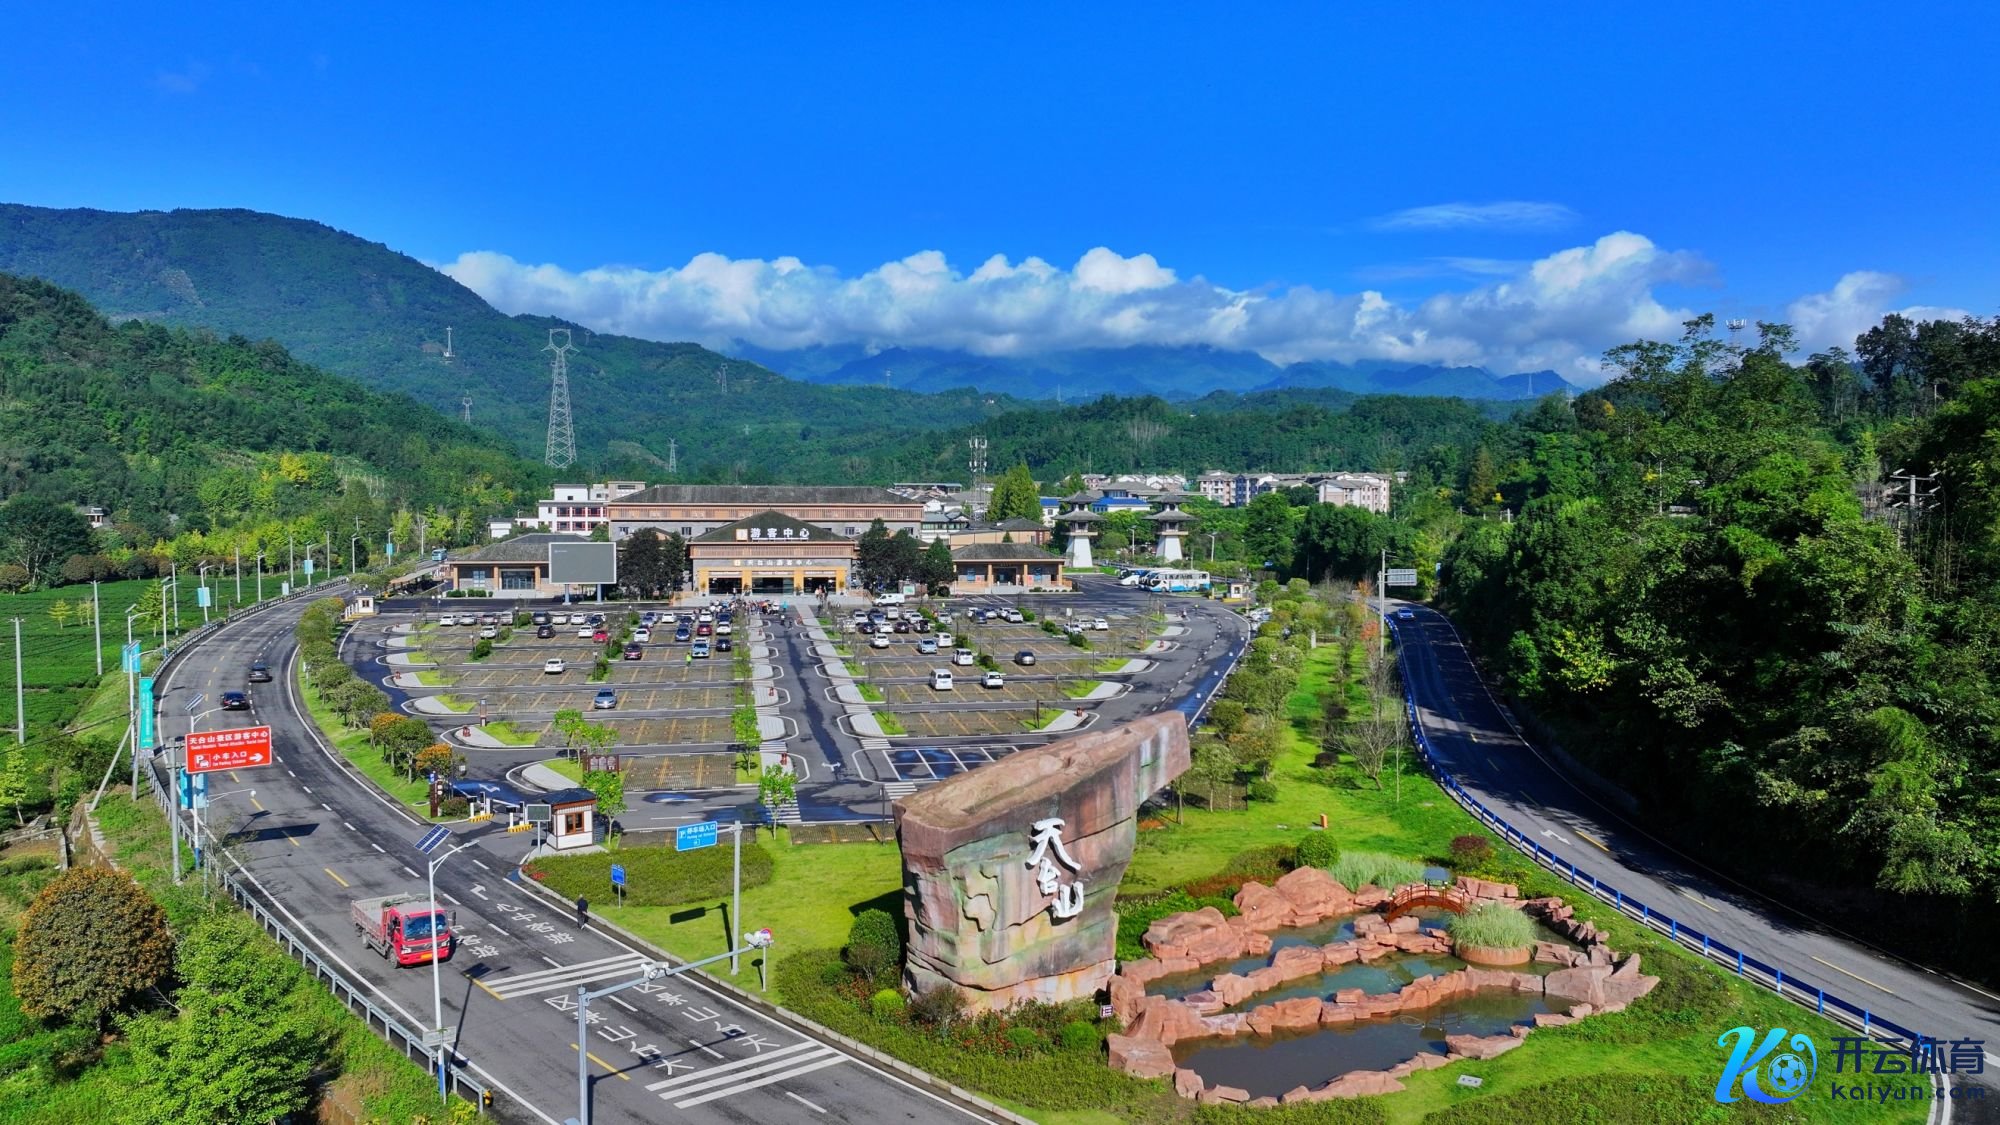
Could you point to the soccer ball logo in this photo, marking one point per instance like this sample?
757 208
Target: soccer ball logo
1788 1073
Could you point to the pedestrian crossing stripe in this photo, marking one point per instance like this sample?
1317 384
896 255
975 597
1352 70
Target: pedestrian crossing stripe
562 978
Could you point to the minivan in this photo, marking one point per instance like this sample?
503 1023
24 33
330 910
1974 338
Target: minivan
961 656
941 679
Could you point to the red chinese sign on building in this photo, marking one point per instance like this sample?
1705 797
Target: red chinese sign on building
239 748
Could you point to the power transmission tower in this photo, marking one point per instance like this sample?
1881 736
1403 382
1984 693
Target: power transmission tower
722 377
888 378
447 342
562 436
977 461
465 410
673 457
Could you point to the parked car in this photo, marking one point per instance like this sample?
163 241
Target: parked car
889 599
545 632
724 644
879 640
539 617
554 666
584 631
944 618
927 647
704 617
488 632
1015 616
704 630
1073 629
921 625
604 700
902 627
600 636
865 627
260 673
235 701
700 650
489 619
723 628
597 619
447 620
992 679
962 656
683 633
643 635
1024 657
558 618
634 651
941 679
1100 624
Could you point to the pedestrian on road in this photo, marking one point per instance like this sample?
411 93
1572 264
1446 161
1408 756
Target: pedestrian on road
582 912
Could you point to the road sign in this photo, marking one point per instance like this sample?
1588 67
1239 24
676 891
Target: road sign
238 748
762 939
128 658
194 704
201 597
437 835
1402 577
688 837
438 1037
537 814
617 874
600 763
146 713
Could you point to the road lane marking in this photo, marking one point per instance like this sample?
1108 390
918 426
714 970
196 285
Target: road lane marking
496 929
803 1102
622 1004
817 1064
600 1062
336 877
712 1052
407 871
326 806
1855 975
234 778
1697 898
307 788
1594 842
255 805
552 961
564 977
294 841
755 1060
482 865
349 824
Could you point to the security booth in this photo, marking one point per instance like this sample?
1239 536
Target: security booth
360 605
573 818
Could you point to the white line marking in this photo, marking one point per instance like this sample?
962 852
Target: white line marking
559 964
377 847
307 788
349 824
498 930
407 871
698 1076
621 1003
711 1051
803 1102
326 806
482 865
818 1064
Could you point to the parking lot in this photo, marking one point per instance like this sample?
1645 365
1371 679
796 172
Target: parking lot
967 689
665 673
958 724
937 763
630 698
649 732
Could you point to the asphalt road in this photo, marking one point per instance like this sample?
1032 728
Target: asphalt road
1478 742
314 836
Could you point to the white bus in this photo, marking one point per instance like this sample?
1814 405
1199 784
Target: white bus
1177 581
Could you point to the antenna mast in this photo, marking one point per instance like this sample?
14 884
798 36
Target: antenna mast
562 437
722 377
977 461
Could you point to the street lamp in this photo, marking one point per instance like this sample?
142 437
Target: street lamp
201 590
260 578
437 985
132 702
310 548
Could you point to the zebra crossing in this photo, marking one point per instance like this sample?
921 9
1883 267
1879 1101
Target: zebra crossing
562 978
710 1083
899 788
875 744
787 813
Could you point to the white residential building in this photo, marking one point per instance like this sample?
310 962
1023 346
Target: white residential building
578 508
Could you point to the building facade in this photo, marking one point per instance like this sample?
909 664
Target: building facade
987 568
580 508
1357 490
771 553
693 510
511 568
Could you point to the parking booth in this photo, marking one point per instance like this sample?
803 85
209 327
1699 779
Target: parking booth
573 822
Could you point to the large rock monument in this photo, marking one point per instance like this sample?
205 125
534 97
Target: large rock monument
1009 871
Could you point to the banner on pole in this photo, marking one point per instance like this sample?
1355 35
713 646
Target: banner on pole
201 597
146 713
128 658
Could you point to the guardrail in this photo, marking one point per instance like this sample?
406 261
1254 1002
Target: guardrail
1749 968
375 1017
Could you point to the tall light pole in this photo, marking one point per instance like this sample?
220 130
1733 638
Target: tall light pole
239 574
353 543
20 693
310 548
97 623
165 585
260 578
174 576
291 559
132 703
437 986
201 590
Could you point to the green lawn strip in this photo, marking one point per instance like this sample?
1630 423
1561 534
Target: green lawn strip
870 692
568 767
355 747
1078 689
505 732
1112 665
431 677
419 656
890 724
454 703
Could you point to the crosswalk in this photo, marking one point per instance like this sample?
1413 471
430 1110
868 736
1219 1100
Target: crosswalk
899 788
787 813
706 1085
875 744
562 978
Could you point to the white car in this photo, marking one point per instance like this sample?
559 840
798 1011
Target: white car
878 641
488 632
993 679
941 679
643 635
962 656
558 618
447 619
584 631
704 616
1014 616
944 618
723 628
1100 624
554 666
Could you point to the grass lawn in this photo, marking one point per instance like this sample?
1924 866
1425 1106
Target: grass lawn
505 732
454 703
1077 689
870 692
890 724
811 899
568 767
1112 665
430 677
353 745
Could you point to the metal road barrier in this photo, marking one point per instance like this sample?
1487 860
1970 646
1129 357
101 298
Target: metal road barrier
377 1018
1741 962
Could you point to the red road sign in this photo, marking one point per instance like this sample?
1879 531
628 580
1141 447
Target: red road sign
234 749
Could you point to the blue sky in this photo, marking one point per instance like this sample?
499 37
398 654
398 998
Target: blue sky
1299 180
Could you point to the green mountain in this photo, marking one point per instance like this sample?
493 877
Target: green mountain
362 310
178 429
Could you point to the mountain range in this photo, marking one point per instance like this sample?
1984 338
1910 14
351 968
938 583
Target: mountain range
1174 373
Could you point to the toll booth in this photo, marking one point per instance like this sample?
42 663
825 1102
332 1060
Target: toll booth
361 605
573 818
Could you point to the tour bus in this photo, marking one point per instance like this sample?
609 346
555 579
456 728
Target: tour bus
1177 581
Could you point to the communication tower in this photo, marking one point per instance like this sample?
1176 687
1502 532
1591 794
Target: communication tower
977 461
447 342
562 436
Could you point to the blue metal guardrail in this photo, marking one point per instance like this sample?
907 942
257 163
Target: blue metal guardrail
1750 968
377 1019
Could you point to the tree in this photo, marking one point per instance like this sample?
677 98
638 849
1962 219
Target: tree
872 562
643 565
38 534
437 758
775 786
601 533
14 778
1268 531
243 1047
1015 497
937 570
1340 542
89 941
609 785
1482 480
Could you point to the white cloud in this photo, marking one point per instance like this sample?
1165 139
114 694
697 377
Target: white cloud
1561 311
1856 303
1506 213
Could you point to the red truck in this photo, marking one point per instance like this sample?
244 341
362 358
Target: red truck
410 929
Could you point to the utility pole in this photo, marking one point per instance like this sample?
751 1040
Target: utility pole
673 457
291 559
260 578
97 623
239 575
20 692
132 702
328 556
201 590
174 576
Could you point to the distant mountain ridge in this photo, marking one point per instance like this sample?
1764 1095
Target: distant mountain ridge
1175 373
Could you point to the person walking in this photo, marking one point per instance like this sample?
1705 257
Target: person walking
582 912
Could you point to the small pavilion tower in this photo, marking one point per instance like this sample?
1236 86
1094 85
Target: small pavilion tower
1081 525
1170 525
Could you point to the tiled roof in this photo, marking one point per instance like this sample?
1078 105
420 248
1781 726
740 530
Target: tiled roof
1003 552
767 526
520 549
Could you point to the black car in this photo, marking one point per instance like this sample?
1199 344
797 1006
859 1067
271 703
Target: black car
544 632
865 627
722 644
260 673
902 626
1024 657
235 701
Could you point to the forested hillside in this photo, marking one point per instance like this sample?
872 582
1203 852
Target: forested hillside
364 311
178 432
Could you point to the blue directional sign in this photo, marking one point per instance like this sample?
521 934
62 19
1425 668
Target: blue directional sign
309 566
146 713
617 874
128 658
389 550
436 836
201 600
688 837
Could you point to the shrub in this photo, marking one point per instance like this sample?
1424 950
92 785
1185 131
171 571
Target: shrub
938 1005
1494 925
1470 852
1262 789
1354 869
1079 1035
1318 849
483 649
833 974
887 1005
1026 1038
877 927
